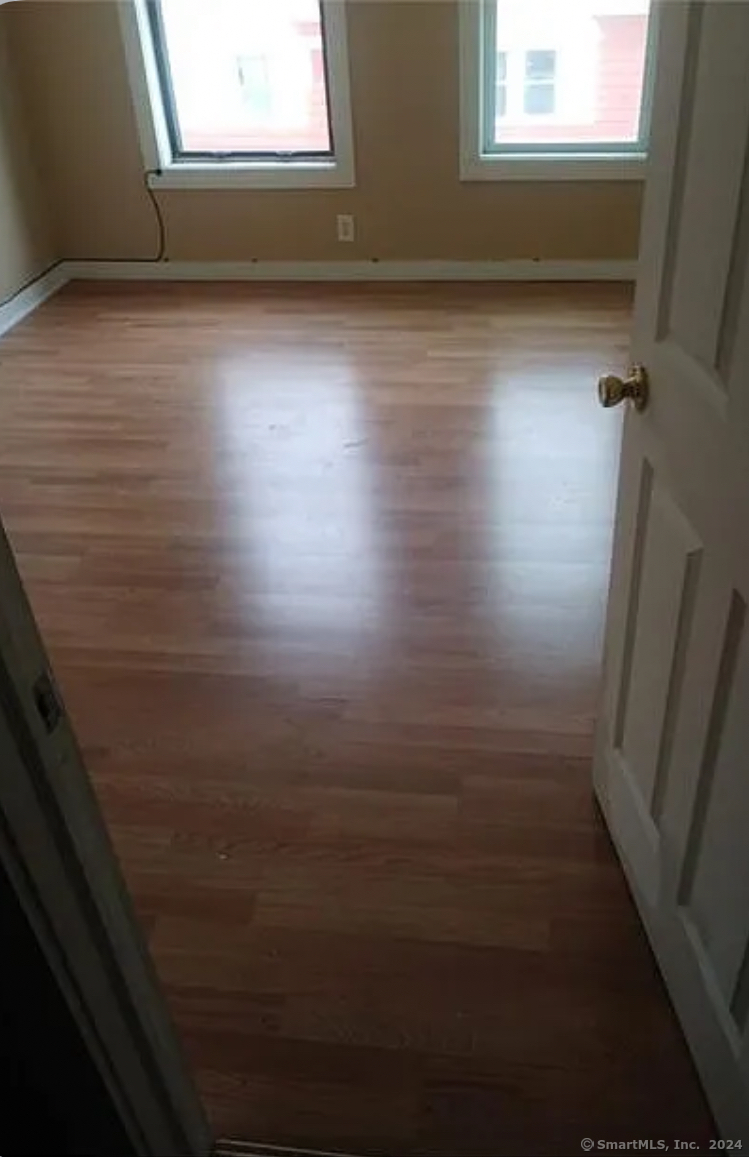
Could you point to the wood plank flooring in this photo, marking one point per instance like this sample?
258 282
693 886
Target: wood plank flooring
322 572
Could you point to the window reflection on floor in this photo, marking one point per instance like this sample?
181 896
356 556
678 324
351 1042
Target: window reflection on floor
301 497
552 465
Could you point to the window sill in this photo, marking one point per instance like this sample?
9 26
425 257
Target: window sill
262 175
555 167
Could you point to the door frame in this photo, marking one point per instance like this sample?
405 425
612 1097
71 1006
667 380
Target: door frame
61 865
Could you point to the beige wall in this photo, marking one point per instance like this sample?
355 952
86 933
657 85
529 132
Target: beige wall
25 242
409 202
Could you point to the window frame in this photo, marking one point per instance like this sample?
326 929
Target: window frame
165 168
482 160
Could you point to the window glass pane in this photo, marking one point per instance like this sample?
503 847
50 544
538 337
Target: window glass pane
501 85
575 71
247 76
254 78
540 65
540 99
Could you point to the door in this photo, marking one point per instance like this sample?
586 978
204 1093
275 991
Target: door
672 753
57 860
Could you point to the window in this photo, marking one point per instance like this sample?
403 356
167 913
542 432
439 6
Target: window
253 73
555 90
241 92
540 88
501 101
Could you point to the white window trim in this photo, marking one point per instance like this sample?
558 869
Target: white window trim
475 165
167 173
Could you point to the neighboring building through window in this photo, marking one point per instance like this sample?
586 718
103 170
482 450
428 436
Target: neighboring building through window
253 74
242 76
526 86
566 78
261 85
501 98
540 83
575 71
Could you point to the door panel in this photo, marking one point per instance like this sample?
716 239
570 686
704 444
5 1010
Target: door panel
660 621
714 886
673 739
712 139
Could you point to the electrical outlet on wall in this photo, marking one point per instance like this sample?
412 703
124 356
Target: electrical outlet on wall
346 227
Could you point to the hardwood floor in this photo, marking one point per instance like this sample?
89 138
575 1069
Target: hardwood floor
322 572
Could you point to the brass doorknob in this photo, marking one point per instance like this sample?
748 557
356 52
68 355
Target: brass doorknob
613 390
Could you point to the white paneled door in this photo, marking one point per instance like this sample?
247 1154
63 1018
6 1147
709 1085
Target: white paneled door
672 761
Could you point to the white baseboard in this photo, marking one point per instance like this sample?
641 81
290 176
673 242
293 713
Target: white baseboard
32 297
36 293
351 270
